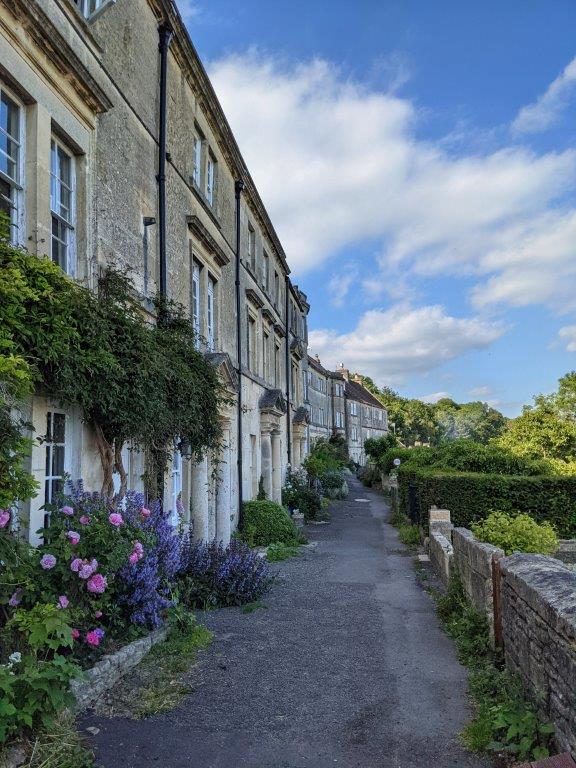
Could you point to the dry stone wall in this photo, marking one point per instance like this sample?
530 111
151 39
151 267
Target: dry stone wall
538 598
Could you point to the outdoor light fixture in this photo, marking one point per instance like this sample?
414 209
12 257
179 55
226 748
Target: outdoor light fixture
149 221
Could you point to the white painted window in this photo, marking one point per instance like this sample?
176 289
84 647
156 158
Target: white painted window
210 178
355 434
55 444
197 170
354 408
176 473
339 419
266 272
251 351
88 8
195 301
211 314
252 248
62 206
11 163
266 355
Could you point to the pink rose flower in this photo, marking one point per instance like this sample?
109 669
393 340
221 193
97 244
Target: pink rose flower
133 559
67 511
145 512
74 537
97 583
4 517
63 602
47 562
92 638
115 518
84 519
76 564
16 598
75 634
97 614
138 548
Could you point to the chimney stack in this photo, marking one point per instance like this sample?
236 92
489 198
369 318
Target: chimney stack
344 372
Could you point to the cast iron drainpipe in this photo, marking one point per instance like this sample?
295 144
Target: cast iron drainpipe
238 187
165 33
288 372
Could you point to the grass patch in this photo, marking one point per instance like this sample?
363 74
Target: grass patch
254 606
167 661
60 747
409 534
504 723
279 551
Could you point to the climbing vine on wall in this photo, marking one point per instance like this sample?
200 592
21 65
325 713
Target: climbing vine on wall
133 379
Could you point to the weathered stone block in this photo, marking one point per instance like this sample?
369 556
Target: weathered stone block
441 555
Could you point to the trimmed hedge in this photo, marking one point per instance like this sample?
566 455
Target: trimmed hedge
472 496
266 522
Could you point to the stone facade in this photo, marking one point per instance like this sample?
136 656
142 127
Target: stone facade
538 598
338 404
82 81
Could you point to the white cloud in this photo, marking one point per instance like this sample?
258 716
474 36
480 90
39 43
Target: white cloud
434 397
188 10
479 391
339 164
547 109
390 345
340 285
568 335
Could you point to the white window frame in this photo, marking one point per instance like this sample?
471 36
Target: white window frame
252 248
17 219
354 408
91 8
195 301
211 165
211 313
355 434
50 478
266 259
197 159
69 224
176 474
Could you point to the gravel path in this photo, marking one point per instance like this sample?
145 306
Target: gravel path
345 667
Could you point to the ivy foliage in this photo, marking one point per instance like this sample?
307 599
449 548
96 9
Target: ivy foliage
133 379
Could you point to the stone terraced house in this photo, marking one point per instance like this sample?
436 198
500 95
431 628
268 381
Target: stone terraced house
115 150
338 404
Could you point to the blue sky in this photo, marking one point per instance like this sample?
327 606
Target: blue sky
419 162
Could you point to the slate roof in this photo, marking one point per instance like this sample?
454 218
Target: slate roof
356 391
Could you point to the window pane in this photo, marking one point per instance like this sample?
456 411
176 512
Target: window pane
59 244
59 430
58 460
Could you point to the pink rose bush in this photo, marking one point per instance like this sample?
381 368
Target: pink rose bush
63 602
97 584
116 519
73 537
48 561
4 517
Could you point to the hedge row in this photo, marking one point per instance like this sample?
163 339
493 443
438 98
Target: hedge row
472 496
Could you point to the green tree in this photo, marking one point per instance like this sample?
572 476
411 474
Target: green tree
541 433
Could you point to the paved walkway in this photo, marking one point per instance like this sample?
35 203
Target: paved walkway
346 667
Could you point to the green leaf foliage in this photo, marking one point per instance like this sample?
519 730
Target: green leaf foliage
518 533
472 496
265 523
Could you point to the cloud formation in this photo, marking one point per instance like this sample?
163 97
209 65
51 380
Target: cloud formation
339 164
547 109
568 335
389 345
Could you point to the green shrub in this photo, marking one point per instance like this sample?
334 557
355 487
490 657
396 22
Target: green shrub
386 461
470 496
516 534
265 523
409 535
377 447
303 493
278 551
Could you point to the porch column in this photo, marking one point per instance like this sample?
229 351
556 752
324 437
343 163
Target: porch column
200 499
266 448
276 467
295 452
223 508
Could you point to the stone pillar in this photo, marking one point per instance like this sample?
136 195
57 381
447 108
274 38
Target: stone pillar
276 467
212 491
266 448
296 459
200 499
223 495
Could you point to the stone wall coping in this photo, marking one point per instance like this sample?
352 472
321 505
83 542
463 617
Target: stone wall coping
106 672
547 586
442 541
465 533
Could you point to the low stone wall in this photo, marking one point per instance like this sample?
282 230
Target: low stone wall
538 600
441 555
110 669
567 551
473 560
